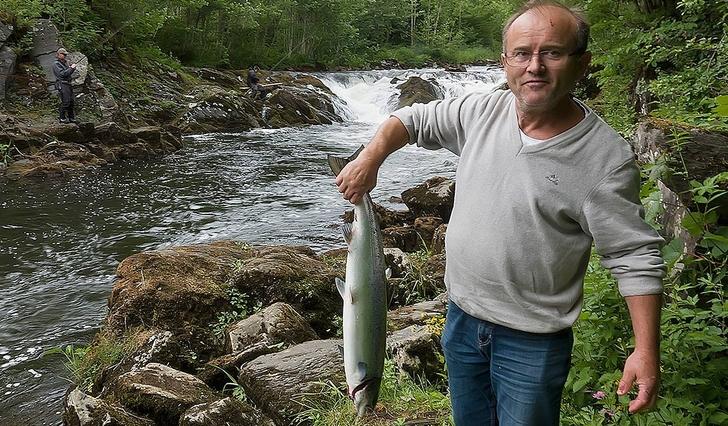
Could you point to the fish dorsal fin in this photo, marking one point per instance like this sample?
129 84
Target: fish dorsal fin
341 286
338 163
348 230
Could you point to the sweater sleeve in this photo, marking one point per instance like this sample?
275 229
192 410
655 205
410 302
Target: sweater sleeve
613 215
437 124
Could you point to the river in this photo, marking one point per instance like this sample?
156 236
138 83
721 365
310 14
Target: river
60 241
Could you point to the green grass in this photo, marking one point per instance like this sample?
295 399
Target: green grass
401 400
86 363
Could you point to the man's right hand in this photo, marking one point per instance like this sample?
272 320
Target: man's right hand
73 66
358 178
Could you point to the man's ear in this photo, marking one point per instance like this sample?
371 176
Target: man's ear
503 59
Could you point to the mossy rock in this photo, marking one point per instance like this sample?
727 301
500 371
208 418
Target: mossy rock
295 275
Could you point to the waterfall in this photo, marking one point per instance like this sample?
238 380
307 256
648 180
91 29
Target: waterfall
369 96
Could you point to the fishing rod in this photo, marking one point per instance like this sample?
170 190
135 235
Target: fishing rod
288 54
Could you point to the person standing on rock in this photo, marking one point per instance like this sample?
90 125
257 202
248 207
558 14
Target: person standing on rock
256 90
540 178
64 75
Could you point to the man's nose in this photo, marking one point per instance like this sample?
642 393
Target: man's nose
535 64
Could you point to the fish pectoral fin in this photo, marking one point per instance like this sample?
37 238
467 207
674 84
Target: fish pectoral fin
348 230
361 371
341 286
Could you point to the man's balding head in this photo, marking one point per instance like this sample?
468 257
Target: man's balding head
581 26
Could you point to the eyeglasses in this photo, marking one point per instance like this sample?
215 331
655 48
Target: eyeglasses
553 57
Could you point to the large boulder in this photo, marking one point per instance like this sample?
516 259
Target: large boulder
45 44
292 106
404 237
82 67
426 227
434 197
159 392
227 412
6 31
416 350
385 217
7 68
295 275
182 290
279 383
701 155
80 409
215 109
418 91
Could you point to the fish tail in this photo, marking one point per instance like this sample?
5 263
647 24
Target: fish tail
338 163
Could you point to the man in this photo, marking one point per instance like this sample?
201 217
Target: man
540 178
64 73
256 89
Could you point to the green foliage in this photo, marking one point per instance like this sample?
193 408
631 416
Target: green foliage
5 152
86 363
676 59
22 11
74 356
693 327
241 307
232 386
694 369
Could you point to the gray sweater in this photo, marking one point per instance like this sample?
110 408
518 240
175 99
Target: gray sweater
525 217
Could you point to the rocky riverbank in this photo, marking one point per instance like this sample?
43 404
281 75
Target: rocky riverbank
131 108
192 329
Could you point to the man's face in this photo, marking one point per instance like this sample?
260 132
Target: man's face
61 56
542 85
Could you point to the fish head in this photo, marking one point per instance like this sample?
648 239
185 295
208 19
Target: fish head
365 397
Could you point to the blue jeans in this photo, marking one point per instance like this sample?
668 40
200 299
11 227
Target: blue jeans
501 376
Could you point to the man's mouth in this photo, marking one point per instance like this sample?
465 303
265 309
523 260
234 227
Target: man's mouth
537 83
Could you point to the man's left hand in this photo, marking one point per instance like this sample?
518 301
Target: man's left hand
644 370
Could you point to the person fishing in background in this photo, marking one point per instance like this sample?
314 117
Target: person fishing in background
257 90
64 74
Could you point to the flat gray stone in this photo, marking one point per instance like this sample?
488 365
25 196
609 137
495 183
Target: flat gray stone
160 392
228 412
416 314
278 323
278 383
80 409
